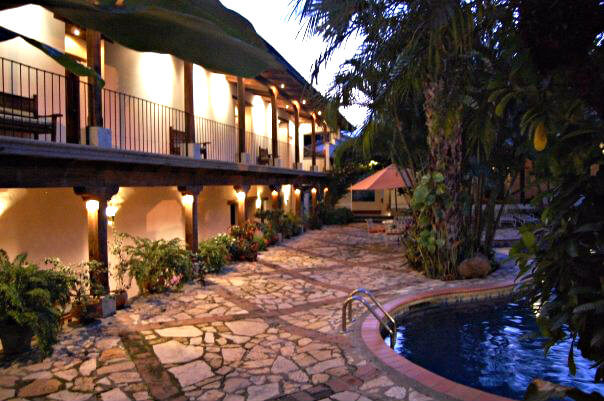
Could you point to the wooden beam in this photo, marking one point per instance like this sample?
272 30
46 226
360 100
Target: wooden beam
190 202
275 142
241 113
72 109
189 104
93 60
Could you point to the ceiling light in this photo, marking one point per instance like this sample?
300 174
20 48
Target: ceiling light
76 32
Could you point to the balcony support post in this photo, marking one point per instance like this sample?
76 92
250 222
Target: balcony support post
297 134
313 138
189 105
241 118
241 194
96 199
93 60
275 141
190 202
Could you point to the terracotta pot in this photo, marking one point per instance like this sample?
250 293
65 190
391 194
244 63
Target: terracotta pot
87 313
121 298
15 339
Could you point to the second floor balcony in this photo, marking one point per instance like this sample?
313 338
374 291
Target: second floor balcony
46 106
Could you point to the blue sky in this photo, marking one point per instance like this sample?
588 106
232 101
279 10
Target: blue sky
271 20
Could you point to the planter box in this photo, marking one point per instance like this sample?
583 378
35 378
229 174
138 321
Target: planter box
192 150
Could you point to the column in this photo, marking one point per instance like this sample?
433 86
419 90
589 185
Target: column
241 194
275 139
326 146
190 202
189 104
274 197
298 202
314 142
297 134
241 122
95 199
313 196
93 60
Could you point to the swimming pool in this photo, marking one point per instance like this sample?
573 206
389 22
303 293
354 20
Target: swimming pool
490 345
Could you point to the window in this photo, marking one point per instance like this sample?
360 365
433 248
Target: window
363 196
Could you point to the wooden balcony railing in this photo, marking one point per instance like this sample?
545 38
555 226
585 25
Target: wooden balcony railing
47 106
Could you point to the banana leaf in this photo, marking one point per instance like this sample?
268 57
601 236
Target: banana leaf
58 56
203 32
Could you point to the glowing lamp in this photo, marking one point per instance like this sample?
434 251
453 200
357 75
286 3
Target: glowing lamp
111 211
76 32
314 191
303 101
325 189
319 113
188 200
92 205
287 106
240 196
282 86
275 193
258 203
297 191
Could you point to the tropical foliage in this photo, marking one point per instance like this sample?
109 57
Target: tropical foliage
32 299
213 254
484 86
156 265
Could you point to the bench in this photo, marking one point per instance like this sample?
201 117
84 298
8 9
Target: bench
263 156
179 137
19 117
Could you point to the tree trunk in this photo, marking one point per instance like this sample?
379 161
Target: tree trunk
445 152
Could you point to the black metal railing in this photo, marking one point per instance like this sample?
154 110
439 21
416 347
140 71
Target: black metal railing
48 106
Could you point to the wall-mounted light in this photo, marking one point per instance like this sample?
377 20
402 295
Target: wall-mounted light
275 193
319 113
287 106
258 202
240 196
325 189
76 32
297 191
303 101
92 205
282 86
313 191
187 200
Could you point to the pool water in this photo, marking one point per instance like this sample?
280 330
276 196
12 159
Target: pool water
491 346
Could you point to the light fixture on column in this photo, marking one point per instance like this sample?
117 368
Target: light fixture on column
313 190
319 112
187 200
303 101
258 202
297 191
110 212
325 189
76 32
92 205
275 193
240 196
282 86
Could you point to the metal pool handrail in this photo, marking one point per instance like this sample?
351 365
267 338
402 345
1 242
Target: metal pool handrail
391 331
363 291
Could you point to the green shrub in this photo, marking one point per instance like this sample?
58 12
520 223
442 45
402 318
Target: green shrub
33 298
244 247
213 254
285 224
156 265
331 216
261 242
314 221
270 235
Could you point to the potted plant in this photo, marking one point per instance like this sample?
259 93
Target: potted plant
120 275
85 295
31 303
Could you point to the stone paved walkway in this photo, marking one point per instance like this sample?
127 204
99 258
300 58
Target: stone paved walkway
259 331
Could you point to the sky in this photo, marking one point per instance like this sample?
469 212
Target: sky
271 19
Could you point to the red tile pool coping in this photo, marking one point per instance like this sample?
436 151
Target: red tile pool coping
372 339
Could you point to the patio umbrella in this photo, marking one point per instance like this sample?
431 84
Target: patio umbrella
387 178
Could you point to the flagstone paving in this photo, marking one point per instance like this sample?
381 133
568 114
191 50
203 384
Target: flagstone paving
265 330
